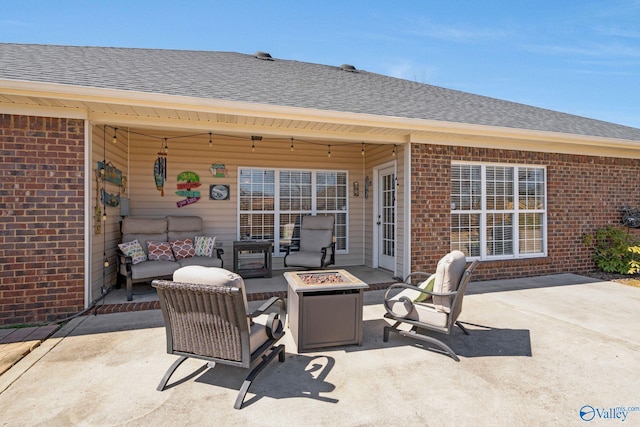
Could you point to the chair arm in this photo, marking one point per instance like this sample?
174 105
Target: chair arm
219 252
419 274
289 246
124 259
408 304
332 257
275 322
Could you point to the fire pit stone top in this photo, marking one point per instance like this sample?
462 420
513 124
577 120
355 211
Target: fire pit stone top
323 280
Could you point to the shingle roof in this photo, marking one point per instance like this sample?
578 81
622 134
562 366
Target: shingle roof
241 77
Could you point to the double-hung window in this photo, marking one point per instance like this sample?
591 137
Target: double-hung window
273 201
498 211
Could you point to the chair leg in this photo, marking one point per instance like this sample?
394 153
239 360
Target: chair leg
426 338
462 327
276 351
169 372
129 289
387 329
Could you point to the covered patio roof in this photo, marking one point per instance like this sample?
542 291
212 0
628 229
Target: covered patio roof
242 94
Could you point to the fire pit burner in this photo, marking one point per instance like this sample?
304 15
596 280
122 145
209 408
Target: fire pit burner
328 278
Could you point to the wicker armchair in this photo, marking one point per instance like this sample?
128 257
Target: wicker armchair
210 322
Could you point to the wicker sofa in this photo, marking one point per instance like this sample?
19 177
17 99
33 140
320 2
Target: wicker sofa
168 230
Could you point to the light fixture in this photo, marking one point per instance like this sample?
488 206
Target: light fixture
104 215
362 151
210 143
166 147
115 136
255 138
329 153
291 144
393 153
105 261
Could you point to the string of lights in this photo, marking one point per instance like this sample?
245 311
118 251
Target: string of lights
253 139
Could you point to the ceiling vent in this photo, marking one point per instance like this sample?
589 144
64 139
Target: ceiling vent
263 55
349 68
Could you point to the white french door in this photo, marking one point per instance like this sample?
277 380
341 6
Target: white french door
386 217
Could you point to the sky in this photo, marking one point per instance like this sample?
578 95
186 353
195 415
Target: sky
576 56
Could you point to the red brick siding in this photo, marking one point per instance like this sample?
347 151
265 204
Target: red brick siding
41 218
583 193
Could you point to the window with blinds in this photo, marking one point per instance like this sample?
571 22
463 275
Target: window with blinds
273 202
498 211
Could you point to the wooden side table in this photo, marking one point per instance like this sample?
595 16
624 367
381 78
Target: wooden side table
252 267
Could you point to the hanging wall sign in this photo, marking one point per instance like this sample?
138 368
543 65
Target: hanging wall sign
218 170
111 173
187 181
112 200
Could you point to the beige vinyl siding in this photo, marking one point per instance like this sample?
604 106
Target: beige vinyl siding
376 156
220 217
109 237
136 152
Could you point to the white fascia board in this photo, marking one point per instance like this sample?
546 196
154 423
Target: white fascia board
40 111
412 125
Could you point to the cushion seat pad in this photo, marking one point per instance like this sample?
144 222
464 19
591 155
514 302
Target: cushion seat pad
153 269
203 261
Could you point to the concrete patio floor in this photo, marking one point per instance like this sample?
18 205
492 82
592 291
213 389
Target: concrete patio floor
541 350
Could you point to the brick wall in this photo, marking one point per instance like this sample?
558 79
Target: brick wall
41 218
583 193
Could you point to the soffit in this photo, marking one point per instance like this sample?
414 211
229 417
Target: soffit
305 123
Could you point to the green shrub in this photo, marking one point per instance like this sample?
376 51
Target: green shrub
615 250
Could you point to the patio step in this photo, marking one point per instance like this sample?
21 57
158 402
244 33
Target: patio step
16 343
155 305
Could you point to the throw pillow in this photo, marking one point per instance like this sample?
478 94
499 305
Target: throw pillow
427 285
160 251
134 250
182 248
204 245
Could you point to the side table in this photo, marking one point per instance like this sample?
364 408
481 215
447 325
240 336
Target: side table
252 266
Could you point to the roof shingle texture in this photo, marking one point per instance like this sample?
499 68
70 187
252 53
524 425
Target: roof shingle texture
241 77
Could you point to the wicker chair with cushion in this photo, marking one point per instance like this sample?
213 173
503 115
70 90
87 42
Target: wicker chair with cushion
426 309
205 315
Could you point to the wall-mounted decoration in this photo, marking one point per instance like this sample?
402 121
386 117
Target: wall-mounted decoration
187 181
367 184
219 192
112 200
110 173
218 170
356 189
98 212
160 172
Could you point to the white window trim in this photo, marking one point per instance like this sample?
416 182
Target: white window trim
276 204
515 229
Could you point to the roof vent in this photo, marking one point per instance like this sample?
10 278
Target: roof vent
349 68
264 56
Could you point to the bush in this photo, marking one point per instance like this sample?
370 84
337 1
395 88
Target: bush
615 250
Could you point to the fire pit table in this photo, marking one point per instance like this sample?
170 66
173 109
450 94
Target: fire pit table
325 308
